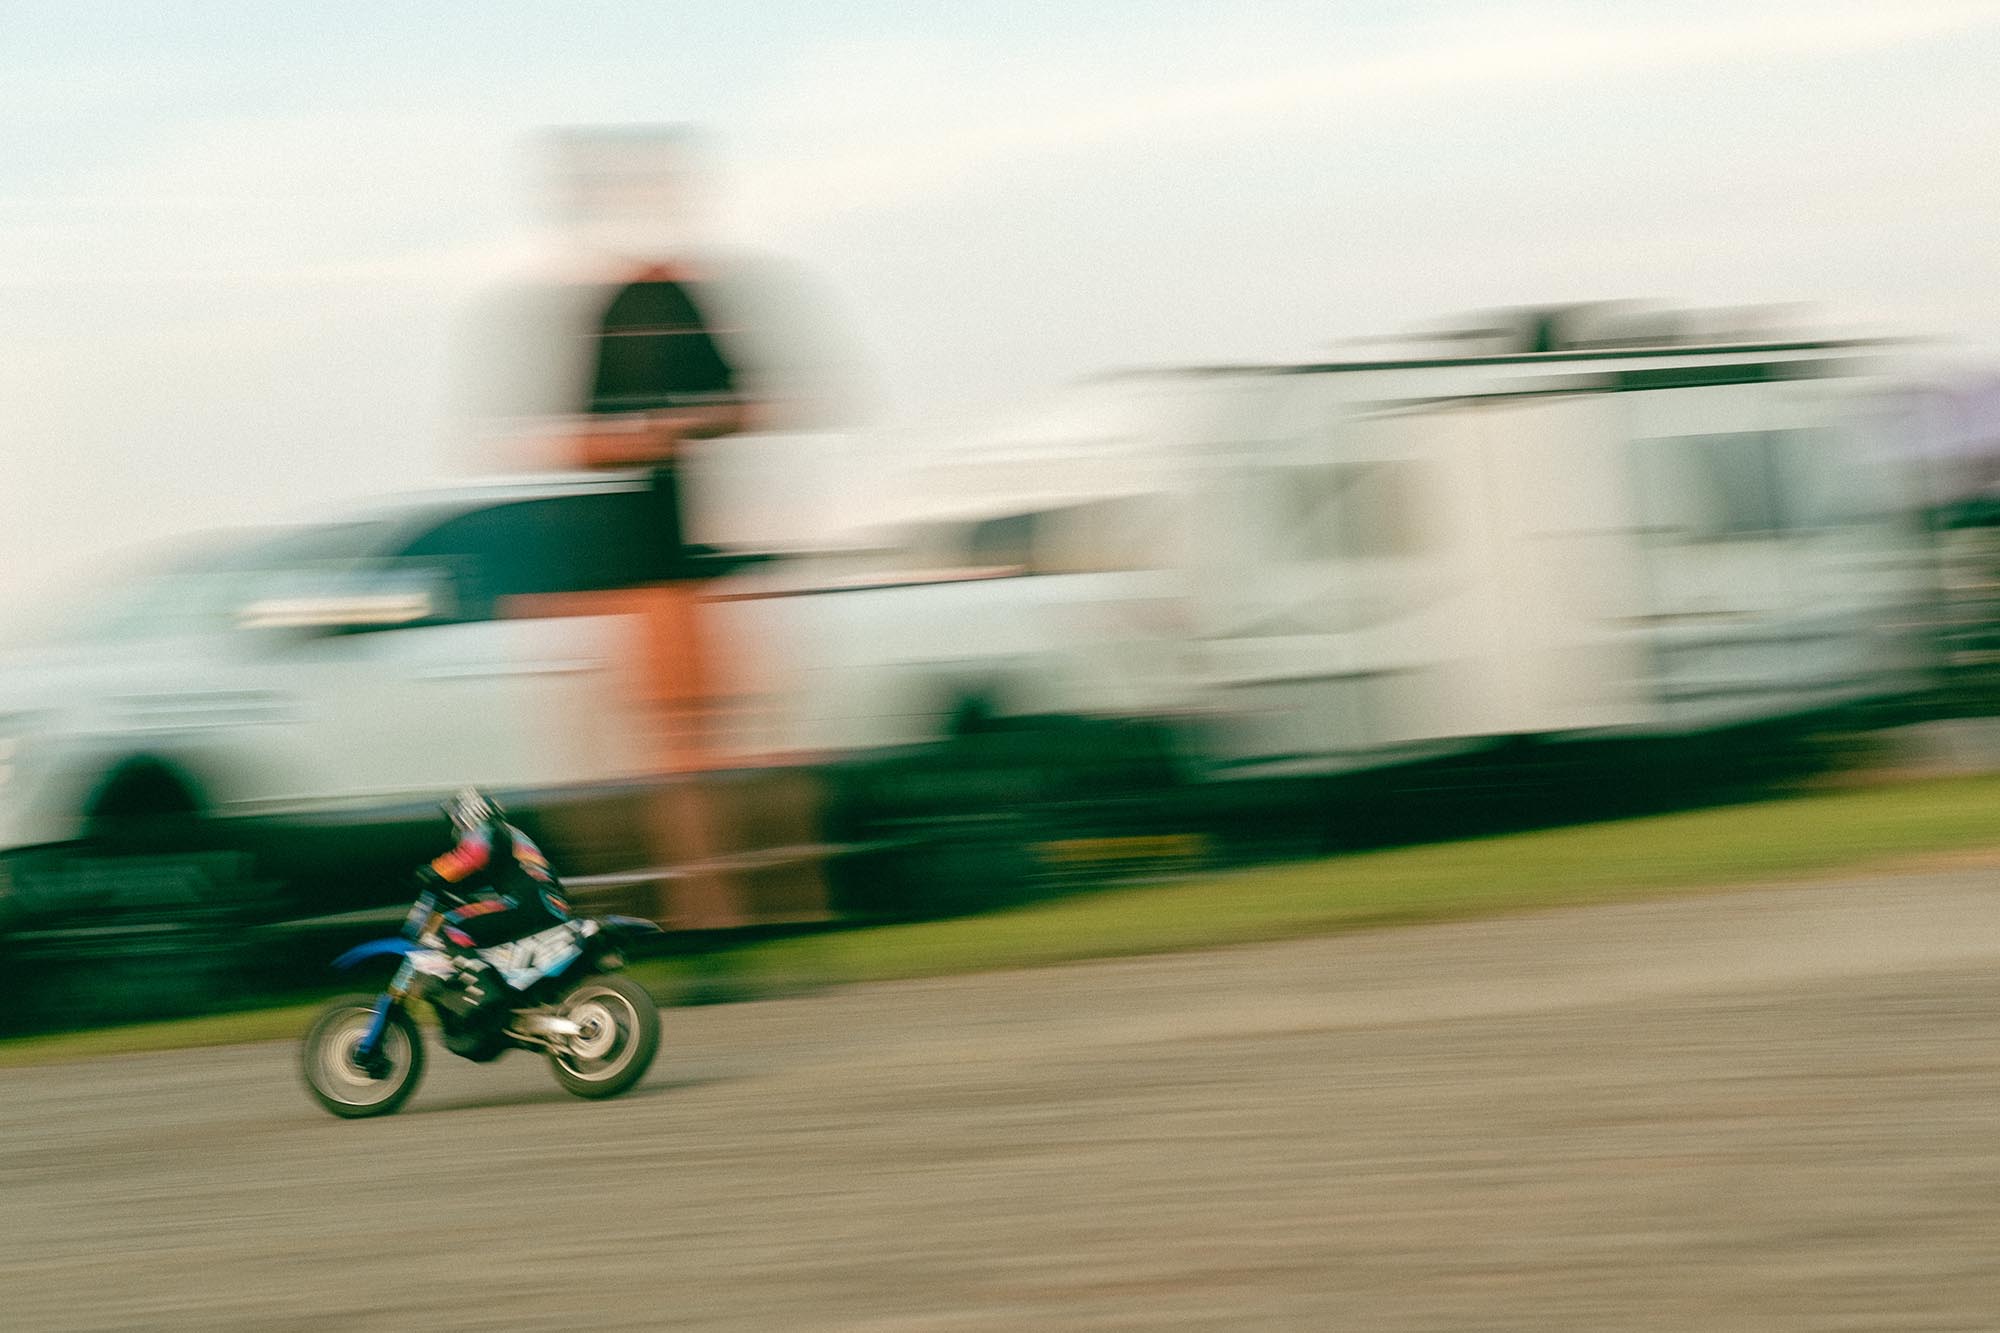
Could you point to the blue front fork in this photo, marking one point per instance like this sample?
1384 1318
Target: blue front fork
371 1042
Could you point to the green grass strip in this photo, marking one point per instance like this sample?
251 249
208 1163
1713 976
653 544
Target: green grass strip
1730 846
169 1035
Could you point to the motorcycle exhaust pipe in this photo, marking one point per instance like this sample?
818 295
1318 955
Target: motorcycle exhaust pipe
546 1027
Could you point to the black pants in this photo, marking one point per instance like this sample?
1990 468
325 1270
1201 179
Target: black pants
491 921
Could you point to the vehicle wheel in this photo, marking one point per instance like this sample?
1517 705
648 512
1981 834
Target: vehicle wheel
327 1059
620 1037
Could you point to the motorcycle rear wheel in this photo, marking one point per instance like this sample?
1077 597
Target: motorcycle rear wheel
327 1059
620 1037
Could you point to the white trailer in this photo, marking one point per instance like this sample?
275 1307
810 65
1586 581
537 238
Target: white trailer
1337 567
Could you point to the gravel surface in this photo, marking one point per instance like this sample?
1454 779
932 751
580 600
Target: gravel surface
1764 1110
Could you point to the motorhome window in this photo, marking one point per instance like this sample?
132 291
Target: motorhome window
1094 537
1002 543
922 547
1108 536
1710 488
1347 511
1382 510
1834 481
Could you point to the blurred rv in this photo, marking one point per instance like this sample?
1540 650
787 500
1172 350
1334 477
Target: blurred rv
1341 567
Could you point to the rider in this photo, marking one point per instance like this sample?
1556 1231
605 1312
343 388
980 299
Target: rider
499 879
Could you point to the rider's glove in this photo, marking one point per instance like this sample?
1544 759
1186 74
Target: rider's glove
420 912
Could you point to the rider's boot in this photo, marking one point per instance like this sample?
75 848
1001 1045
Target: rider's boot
479 982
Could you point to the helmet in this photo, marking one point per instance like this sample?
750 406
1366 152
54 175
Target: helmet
470 809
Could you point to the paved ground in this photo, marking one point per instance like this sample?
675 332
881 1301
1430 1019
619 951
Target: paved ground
1765 1111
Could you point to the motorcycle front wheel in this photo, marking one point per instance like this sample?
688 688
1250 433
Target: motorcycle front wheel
341 1085
620 1035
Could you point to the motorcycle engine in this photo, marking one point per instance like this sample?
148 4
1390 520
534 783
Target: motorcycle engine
478 1047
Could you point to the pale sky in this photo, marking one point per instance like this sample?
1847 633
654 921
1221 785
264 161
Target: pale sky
243 247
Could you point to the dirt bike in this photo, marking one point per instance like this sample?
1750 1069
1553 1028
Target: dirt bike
556 991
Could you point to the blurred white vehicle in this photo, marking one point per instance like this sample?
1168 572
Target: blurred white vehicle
334 676
1377 561
1271 571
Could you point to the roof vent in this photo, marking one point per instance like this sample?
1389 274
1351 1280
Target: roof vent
1598 325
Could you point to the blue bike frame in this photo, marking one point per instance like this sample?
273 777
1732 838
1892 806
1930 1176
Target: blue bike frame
397 947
